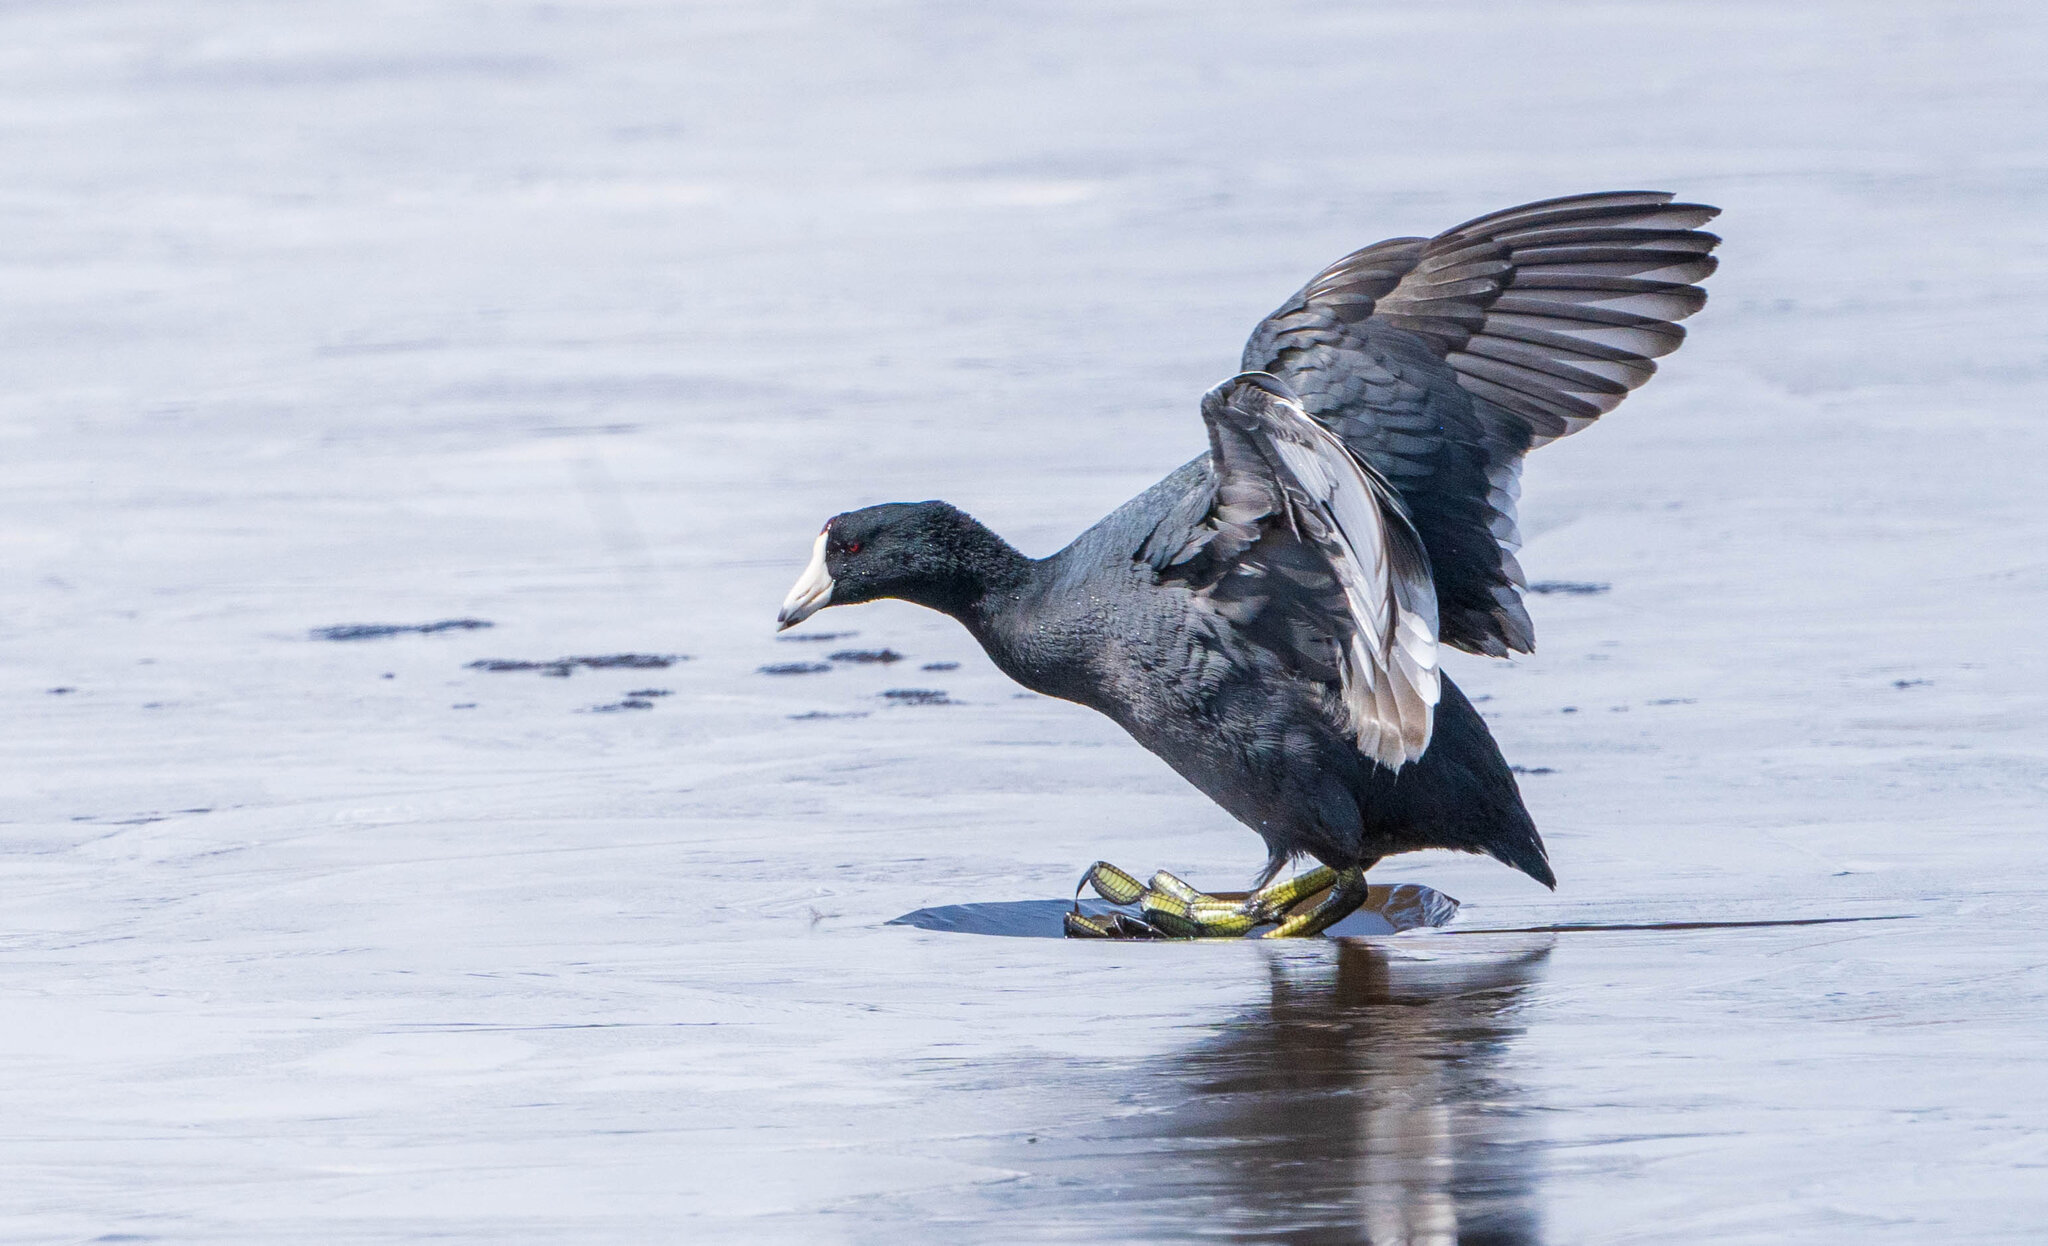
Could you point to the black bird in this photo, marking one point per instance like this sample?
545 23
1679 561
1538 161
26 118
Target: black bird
1266 618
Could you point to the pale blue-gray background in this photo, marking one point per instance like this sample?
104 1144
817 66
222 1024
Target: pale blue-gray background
580 317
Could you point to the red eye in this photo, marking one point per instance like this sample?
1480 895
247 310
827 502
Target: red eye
853 547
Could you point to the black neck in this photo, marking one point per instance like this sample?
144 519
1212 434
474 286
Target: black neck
975 573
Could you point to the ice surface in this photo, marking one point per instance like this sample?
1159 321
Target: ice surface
580 317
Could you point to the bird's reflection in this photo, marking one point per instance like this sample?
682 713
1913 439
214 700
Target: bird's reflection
1366 1103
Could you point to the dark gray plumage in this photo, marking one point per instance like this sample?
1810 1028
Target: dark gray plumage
1266 618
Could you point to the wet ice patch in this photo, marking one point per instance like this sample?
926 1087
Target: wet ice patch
377 631
560 668
918 696
796 668
1570 588
866 656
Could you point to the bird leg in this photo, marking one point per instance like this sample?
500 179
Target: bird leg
1346 894
1173 909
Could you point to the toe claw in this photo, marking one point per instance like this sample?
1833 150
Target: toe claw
1111 883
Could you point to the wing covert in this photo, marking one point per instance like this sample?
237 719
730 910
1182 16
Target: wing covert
1307 551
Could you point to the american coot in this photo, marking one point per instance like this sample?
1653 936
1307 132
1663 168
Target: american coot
1266 618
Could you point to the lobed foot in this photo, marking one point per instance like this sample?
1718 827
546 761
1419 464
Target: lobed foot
1171 908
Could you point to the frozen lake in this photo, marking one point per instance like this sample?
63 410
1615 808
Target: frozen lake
578 318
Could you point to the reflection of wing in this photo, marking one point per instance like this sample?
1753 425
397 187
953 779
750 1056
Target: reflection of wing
1442 361
1304 549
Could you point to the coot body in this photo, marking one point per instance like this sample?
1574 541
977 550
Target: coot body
1267 618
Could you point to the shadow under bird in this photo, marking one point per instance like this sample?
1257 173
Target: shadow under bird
1267 618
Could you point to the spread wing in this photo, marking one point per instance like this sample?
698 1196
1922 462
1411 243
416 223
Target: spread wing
1442 361
1305 550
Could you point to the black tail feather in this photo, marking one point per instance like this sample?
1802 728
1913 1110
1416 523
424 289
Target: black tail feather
1462 795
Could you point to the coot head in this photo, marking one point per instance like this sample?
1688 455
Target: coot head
931 553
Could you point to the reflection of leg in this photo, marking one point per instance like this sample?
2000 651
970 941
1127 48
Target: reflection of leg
1346 894
1174 909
